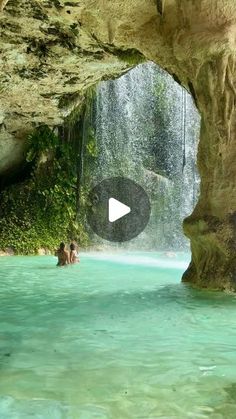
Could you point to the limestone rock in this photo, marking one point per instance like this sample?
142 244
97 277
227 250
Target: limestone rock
47 63
43 252
3 4
51 52
7 252
195 41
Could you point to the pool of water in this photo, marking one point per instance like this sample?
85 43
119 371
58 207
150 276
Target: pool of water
117 336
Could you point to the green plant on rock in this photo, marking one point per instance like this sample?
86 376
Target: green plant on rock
130 56
91 145
42 140
41 211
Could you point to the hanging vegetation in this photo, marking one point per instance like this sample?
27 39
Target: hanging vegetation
41 211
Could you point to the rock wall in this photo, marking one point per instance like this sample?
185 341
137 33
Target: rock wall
194 41
47 62
51 52
3 4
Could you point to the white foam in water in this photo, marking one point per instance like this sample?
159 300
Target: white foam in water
169 262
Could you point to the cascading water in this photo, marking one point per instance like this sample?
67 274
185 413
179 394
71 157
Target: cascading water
146 128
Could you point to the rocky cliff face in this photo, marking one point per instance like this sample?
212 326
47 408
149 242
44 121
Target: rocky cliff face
47 62
52 51
194 41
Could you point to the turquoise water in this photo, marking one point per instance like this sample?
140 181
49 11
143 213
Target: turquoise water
117 336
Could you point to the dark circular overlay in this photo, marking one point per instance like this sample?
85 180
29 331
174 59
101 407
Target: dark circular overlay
127 192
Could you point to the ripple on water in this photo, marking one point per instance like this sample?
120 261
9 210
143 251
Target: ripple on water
113 338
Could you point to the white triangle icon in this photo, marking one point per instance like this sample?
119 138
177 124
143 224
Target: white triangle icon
117 210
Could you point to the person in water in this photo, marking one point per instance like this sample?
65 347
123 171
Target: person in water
73 254
63 255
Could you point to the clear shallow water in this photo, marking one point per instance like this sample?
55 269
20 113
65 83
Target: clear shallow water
117 336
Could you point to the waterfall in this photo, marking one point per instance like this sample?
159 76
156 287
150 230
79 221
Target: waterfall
146 128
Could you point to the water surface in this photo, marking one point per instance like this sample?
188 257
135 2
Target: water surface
117 336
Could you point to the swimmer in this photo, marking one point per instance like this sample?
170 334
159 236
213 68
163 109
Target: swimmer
73 254
63 255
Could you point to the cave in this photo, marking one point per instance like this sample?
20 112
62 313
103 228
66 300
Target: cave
94 89
99 47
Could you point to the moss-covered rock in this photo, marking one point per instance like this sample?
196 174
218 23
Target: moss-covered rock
41 211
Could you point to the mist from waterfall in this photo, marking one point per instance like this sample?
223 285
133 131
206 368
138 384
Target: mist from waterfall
146 128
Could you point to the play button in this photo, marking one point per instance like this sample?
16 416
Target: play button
119 209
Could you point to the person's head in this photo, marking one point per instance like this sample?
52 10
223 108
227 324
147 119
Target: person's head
72 246
62 246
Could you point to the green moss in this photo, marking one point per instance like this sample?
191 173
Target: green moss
39 47
41 211
66 101
75 28
66 36
34 73
38 12
57 3
91 146
69 98
130 56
